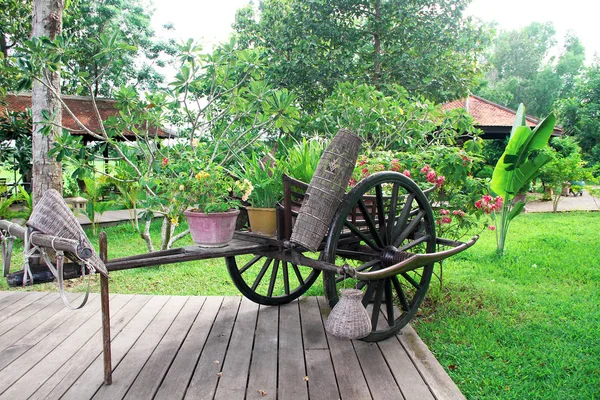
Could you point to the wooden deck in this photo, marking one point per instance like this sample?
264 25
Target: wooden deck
171 347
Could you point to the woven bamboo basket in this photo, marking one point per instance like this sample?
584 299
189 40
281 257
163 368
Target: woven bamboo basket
326 190
52 216
349 319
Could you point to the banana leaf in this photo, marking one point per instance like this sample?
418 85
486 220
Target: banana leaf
519 164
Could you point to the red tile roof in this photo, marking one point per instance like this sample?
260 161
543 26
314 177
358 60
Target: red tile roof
83 109
488 113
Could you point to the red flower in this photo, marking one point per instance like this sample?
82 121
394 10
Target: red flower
459 213
363 161
440 180
395 165
478 204
425 169
491 227
352 182
444 212
165 161
431 176
406 173
446 220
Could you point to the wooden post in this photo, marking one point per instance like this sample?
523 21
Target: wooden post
104 298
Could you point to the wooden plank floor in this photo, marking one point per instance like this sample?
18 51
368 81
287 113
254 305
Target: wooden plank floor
173 347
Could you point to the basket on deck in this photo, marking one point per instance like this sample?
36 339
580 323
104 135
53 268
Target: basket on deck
349 319
52 216
326 190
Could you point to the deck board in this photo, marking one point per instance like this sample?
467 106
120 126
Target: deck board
175 347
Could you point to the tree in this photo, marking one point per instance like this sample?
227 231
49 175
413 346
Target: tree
426 46
565 166
523 71
45 105
579 113
85 22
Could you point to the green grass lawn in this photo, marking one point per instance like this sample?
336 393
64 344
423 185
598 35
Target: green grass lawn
527 325
522 326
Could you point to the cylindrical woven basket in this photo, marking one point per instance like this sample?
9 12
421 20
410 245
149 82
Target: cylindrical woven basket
52 216
326 190
349 319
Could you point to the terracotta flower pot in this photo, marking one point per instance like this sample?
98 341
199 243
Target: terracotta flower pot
263 220
212 229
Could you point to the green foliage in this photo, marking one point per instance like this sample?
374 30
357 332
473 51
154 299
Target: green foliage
518 166
523 72
265 176
448 168
88 25
15 142
429 47
94 208
565 165
579 113
302 158
393 120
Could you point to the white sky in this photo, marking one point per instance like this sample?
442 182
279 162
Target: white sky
210 20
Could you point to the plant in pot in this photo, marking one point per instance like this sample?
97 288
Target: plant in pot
213 197
266 180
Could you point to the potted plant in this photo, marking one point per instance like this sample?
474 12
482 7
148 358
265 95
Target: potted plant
267 190
213 197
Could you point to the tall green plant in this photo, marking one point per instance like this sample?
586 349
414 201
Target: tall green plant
94 207
517 167
303 158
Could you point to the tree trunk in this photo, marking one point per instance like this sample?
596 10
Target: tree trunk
47 172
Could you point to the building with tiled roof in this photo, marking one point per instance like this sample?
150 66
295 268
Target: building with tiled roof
494 120
83 109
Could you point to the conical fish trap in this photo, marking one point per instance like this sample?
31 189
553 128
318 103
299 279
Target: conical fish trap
326 190
52 216
349 319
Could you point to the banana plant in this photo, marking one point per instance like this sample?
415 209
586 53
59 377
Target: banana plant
518 166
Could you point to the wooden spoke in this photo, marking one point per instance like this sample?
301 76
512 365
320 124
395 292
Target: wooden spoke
361 235
249 264
377 303
262 272
392 212
273 278
355 255
414 243
389 301
400 293
286 278
413 224
381 214
370 223
399 227
411 280
298 274
371 287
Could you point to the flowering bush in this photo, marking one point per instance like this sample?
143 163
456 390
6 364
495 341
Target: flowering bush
451 170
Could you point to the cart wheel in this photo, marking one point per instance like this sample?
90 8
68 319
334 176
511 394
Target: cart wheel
269 281
384 216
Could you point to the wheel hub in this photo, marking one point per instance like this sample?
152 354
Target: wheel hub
391 255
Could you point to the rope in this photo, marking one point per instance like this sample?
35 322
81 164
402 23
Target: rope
58 273
7 246
28 252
